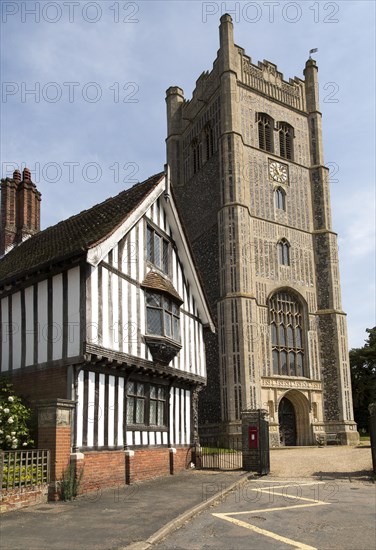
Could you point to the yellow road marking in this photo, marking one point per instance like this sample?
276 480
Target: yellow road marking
299 498
292 484
319 503
240 523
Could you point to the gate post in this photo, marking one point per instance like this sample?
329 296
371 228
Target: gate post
255 441
372 433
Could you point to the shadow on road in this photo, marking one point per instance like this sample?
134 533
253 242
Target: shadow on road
360 475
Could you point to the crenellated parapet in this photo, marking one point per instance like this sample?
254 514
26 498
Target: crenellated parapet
266 79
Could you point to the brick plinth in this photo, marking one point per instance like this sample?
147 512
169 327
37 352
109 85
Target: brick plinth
54 433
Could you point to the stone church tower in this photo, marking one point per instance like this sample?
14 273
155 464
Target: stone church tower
247 169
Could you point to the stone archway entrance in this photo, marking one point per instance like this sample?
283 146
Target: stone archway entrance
293 419
287 422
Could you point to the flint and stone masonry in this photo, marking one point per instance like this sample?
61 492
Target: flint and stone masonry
248 172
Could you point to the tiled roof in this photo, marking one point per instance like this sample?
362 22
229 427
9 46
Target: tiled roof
74 236
155 281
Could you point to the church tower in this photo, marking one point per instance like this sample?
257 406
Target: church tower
247 169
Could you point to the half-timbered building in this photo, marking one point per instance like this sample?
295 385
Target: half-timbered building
102 321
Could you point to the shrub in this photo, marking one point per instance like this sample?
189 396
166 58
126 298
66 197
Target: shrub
14 419
70 483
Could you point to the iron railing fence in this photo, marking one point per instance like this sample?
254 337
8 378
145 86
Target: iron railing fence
219 453
19 469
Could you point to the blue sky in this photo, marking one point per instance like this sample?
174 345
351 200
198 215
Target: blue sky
95 122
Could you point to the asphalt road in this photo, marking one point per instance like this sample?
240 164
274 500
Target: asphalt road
276 514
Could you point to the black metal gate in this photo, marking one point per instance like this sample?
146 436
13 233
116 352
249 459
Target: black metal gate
218 453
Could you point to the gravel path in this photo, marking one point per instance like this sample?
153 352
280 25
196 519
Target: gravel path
327 462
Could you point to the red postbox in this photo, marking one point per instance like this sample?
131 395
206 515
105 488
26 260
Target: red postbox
253 437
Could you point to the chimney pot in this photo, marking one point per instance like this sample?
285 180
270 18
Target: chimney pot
17 175
26 175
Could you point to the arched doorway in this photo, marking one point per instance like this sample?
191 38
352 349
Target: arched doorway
287 422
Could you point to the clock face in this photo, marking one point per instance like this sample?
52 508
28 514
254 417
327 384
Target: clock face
278 172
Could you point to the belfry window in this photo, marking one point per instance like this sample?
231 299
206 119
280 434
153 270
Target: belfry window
196 155
286 135
284 252
280 199
209 141
286 324
265 131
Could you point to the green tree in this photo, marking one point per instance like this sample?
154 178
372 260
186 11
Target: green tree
363 378
14 419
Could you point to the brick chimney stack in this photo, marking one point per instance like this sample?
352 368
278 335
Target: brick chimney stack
20 210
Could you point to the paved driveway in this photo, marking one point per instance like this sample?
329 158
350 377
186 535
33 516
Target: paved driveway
333 461
314 498
275 514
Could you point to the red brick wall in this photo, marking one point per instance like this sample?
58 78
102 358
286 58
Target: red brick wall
151 463
109 468
102 469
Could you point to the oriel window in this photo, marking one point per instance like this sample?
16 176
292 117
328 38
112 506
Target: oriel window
162 316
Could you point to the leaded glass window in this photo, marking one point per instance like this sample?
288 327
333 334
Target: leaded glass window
162 316
135 403
157 407
157 249
146 404
286 325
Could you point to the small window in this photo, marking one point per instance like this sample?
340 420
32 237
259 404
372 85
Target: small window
286 135
280 198
284 252
135 403
265 131
157 408
157 250
163 316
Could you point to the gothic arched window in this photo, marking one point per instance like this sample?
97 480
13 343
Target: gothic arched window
280 198
265 131
286 135
284 252
286 325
